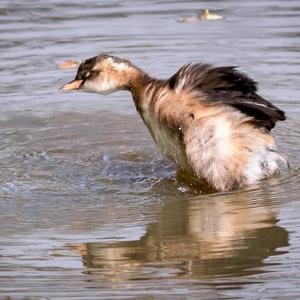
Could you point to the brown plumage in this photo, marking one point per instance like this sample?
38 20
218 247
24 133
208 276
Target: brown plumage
209 120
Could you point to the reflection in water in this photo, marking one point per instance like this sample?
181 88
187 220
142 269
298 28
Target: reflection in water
196 238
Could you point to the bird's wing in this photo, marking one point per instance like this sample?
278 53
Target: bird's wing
226 85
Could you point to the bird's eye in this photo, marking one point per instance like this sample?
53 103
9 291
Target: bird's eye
87 74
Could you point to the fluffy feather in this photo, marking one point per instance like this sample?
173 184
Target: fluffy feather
225 85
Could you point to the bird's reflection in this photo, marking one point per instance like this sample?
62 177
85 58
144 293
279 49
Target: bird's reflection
205 236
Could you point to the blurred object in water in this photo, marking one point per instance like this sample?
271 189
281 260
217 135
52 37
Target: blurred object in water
204 15
69 64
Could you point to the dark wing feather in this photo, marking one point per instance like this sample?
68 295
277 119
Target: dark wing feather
227 85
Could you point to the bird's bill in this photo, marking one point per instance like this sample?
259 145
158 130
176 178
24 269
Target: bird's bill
73 85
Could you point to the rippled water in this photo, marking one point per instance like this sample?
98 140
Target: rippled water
89 207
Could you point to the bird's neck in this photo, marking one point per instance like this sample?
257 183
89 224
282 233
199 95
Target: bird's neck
139 83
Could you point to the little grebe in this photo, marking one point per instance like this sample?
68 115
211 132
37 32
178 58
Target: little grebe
207 15
204 15
207 119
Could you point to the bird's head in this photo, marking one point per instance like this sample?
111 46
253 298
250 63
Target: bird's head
102 74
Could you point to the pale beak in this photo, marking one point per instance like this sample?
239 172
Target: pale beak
73 85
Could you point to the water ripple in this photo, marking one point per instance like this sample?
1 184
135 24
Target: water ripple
89 208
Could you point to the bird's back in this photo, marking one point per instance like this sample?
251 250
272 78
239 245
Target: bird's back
227 86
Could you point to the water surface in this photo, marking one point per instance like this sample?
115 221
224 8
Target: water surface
89 207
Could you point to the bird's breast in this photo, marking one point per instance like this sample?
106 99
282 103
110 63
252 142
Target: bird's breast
168 139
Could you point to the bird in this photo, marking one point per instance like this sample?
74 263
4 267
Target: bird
204 15
207 15
208 119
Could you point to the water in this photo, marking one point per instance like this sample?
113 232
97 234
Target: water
89 207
